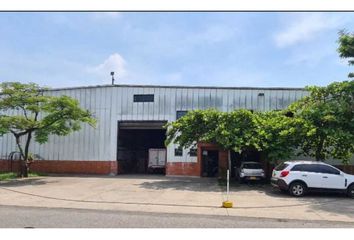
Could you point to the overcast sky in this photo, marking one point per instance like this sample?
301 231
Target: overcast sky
211 49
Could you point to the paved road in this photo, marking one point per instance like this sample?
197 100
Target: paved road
33 217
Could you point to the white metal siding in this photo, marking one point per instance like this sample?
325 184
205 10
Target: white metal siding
111 104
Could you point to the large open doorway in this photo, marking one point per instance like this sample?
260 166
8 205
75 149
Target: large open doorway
135 138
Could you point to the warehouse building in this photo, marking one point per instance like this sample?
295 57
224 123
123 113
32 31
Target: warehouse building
130 129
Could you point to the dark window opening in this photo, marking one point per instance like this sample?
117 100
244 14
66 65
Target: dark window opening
193 152
178 152
180 114
143 97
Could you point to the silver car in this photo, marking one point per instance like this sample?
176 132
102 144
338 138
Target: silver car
250 171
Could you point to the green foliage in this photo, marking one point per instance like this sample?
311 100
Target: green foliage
7 176
10 175
238 131
346 48
272 133
329 116
196 126
26 110
322 126
279 135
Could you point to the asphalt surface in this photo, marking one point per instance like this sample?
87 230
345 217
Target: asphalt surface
35 217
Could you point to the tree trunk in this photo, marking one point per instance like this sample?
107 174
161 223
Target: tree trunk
24 163
319 150
27 163
21 170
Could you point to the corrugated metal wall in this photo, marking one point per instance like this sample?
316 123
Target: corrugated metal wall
111 104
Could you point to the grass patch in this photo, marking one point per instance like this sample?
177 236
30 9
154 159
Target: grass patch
7 176
11 175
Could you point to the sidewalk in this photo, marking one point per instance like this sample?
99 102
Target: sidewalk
171 195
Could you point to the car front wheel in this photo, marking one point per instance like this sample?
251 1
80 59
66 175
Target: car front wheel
297 189
351 191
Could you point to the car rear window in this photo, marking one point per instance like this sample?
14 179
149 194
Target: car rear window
299 167
252 166
281 166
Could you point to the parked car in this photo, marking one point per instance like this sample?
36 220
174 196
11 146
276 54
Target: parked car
298 177
250 171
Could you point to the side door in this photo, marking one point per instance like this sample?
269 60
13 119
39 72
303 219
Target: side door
310 175
332 178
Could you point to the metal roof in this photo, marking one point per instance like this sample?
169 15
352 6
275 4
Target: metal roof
174 86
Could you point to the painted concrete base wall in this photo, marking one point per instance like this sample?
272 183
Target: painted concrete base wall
76 167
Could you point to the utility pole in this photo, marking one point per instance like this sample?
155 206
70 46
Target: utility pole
112 74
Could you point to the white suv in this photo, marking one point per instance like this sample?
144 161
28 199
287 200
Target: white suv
298 177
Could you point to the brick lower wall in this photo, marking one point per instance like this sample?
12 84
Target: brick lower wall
183 168
75 167
111 167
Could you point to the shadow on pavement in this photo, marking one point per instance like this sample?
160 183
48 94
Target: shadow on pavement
183 184
25 182
329 202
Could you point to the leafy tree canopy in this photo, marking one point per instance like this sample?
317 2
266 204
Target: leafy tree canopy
26 110
329 114
346 48
272 133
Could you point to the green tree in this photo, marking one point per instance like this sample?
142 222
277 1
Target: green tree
195 126
329 116
238 131
26 111
280 134
272 133
346 48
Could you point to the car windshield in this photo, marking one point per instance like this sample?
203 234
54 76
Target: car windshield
252 166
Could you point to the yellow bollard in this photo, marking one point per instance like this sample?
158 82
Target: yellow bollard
227 204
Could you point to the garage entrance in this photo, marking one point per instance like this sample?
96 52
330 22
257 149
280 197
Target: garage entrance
135 138
246 156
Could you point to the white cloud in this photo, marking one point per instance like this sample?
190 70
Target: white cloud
114 63
306 27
